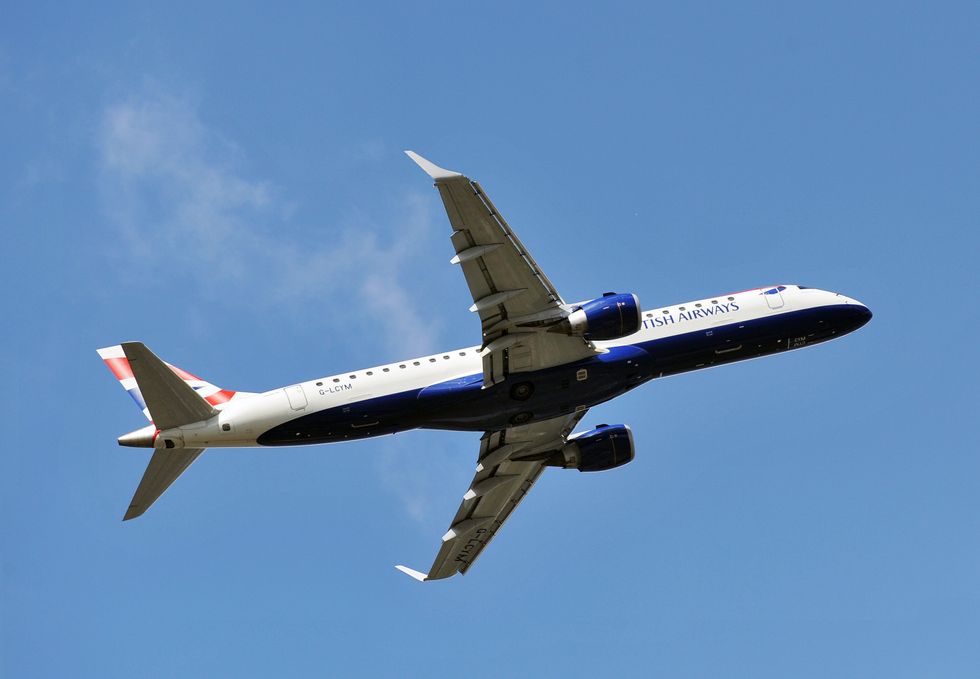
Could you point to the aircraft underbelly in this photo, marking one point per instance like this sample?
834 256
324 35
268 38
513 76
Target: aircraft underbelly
463 404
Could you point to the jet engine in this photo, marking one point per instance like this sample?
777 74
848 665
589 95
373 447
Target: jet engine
607 318
605 447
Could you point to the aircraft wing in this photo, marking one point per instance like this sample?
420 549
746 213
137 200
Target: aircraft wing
512 295
510 462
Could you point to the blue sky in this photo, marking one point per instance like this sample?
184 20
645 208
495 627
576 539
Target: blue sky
226 184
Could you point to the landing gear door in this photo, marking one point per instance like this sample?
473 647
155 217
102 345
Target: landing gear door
296 396
774 296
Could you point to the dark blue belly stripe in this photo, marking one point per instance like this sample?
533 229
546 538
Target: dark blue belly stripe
462 403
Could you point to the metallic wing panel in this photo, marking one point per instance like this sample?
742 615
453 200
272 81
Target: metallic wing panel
511 461
510 292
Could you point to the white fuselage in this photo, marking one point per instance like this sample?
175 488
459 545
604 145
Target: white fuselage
239 423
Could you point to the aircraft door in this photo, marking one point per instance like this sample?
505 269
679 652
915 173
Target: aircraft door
774 296
296 396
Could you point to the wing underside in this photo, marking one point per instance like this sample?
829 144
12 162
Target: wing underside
510 462
513 297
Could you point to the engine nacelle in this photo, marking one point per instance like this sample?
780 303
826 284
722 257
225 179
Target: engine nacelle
605 447
607 318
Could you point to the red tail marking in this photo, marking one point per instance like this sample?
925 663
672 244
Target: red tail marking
219 397
183 374
119 367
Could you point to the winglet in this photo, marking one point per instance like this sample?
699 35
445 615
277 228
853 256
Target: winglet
431 168
421 577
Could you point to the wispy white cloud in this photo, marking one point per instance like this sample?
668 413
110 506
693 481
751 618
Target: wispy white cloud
175 190
425 479
370 150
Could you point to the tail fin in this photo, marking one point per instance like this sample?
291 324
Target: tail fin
169 397
170 401
117 361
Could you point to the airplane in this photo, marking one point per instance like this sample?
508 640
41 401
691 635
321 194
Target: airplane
540 365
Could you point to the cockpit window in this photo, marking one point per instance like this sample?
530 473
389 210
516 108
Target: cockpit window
803 287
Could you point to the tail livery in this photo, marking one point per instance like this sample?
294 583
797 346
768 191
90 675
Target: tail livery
115 359
169 398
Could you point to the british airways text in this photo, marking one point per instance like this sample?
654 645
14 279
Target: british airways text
689 315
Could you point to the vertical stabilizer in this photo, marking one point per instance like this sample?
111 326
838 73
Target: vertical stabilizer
117 362
169 398
170 401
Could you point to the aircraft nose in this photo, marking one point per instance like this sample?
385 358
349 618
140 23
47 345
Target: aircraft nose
866 314
860 313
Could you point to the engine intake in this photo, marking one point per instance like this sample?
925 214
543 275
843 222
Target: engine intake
607 318
606 447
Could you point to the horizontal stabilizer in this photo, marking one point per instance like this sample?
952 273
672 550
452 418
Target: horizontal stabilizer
164 468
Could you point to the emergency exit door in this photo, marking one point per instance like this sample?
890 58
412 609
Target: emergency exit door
774 296
296 396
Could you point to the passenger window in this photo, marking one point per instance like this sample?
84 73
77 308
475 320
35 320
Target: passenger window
353 377
385 370
402 365
698 305
336 379
369 372
731 299
462 353
666 311
319 384
446 357
416 363
432 360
